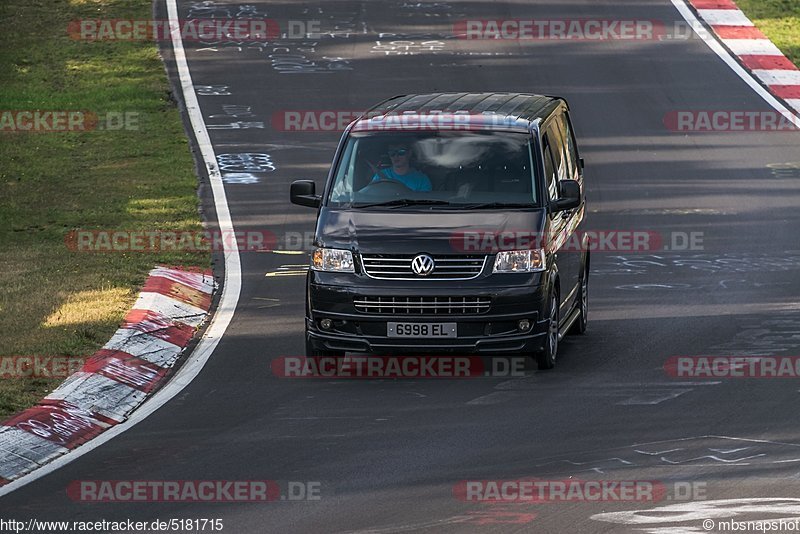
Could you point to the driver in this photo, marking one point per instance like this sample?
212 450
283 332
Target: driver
402 171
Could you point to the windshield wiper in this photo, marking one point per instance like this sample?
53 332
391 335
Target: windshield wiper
496 205
399 202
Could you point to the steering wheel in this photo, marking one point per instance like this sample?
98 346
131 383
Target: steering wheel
385 183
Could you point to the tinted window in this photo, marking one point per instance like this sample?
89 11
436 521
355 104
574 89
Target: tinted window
560 161
570 152
549 168
456 167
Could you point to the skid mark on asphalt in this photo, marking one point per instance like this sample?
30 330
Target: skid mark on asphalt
597 466
653 264
632 394
267 302
633 397
497 397
738 283
650 397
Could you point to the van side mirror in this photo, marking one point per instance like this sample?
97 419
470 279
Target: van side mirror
570 191
303 193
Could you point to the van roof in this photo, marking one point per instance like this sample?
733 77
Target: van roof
505 111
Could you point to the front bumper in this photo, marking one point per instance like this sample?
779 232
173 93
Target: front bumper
494 331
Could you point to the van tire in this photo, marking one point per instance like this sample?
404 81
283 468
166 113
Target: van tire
583 304
546 358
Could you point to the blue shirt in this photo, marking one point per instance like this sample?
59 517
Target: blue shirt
414 179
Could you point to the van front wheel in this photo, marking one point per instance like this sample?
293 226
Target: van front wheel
546 358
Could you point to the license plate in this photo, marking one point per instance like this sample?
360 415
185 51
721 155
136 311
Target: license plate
421 329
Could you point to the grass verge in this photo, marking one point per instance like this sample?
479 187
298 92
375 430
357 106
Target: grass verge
55 301
779 20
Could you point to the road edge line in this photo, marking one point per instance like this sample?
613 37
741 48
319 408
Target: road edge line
711 40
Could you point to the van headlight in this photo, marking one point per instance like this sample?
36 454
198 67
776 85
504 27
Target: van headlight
333 260
519 261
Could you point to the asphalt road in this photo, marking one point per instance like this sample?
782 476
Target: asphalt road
387 454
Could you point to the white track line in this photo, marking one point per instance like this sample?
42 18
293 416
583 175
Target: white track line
730 60
230 289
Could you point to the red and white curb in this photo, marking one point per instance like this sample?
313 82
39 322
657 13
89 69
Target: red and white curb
114 381
752 48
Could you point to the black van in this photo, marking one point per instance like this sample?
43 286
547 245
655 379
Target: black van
450 222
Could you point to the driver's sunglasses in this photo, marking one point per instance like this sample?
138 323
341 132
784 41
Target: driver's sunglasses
398 152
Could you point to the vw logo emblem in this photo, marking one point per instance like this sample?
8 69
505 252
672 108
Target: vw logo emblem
422 265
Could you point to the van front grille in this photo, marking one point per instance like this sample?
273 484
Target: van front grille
422 305
446 267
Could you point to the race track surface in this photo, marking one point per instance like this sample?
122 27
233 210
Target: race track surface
387 454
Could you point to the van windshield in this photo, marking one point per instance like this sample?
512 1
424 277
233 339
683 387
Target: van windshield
437 170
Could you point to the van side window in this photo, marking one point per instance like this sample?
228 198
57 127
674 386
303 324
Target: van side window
557 149
569 145
560 161
549 169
